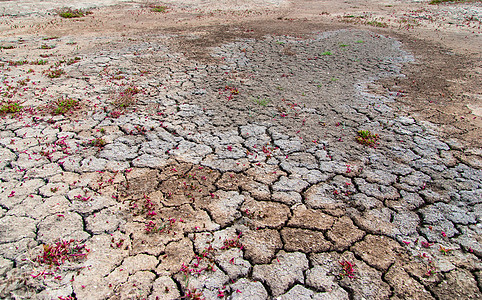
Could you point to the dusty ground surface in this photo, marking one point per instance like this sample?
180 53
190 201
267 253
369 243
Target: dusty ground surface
211 151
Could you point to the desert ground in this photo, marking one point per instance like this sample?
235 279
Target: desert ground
241 150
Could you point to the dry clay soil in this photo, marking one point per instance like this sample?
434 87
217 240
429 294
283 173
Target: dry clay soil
213 150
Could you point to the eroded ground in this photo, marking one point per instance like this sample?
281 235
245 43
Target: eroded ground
296 151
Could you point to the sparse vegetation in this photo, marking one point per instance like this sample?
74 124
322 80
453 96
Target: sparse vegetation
365 137
73 61
98 142
261 101
377 24
10 108
64 105
126 97
54 73
68 13
46 47
17 63
58 253
158 8
39 62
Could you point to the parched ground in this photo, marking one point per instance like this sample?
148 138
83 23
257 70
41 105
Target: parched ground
252 150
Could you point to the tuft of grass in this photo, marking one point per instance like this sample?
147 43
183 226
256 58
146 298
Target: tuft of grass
126 97
69 13
261 101
377 24
17 63
56 254
54 73
64 105
327 53
10 108
98 142
39 62
7 47
46 47
365 137
158 8
73 61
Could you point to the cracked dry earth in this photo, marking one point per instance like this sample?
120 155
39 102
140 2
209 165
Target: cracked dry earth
235 178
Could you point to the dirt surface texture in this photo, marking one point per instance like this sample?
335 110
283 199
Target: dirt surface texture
240 150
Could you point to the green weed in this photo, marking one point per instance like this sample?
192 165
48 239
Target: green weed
46 47
377 24
98 142
39 62
365 137
10 107
68 13
17 63
64 105
159 8
54 73
261 101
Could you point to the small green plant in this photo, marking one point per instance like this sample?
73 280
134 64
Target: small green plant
7 47
365 137
98 142
64 105
58 253
377 24
73 61
17 63
262 101
39 62
348 269
326 53
333 79
343 45
68 13
23 82
10 108
46 47
159 8
50 38
445 251
54 73
359 42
